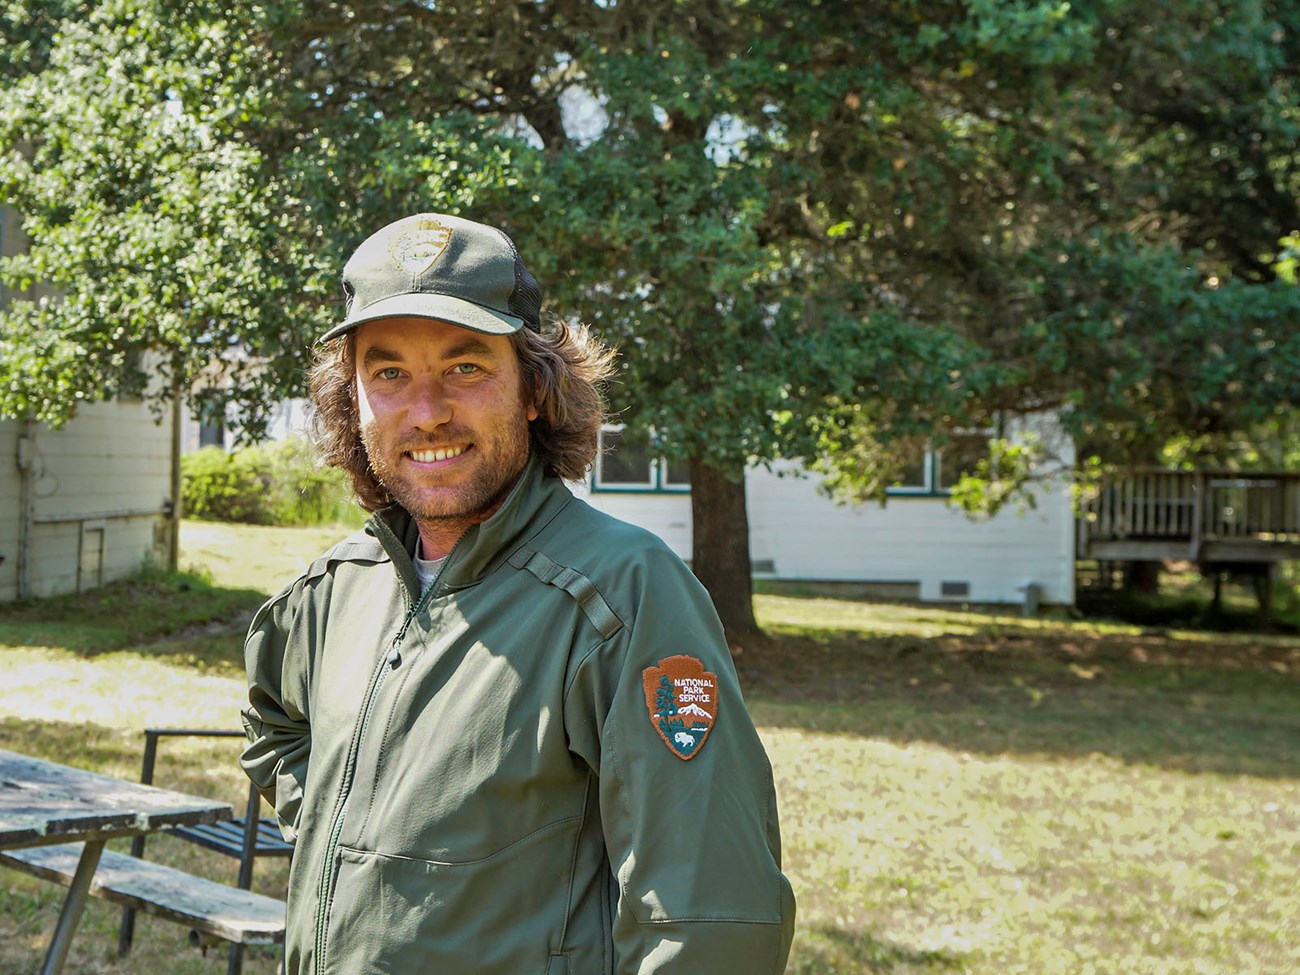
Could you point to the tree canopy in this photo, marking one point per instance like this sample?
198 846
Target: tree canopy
819 230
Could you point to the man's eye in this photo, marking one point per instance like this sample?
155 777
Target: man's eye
464 368
392 372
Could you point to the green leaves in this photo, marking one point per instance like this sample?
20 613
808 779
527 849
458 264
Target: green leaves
153 241
797 245
1156 349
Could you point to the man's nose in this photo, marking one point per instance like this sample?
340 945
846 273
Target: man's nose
430 407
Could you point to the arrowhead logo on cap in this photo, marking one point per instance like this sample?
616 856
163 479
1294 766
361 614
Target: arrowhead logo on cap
441 267
416 249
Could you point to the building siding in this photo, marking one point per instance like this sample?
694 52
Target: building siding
916 543
9 511
913 539
100 490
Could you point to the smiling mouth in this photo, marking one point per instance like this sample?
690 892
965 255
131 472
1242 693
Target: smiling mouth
430 456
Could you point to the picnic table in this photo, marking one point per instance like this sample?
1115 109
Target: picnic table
43 803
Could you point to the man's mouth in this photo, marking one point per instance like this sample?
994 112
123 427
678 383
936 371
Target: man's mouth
431 456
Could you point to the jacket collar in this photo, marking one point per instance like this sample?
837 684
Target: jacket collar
531 504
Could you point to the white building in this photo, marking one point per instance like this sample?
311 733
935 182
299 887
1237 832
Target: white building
914 547
86 504
288 420
83 505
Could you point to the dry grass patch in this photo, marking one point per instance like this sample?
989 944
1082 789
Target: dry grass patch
991 795
960 792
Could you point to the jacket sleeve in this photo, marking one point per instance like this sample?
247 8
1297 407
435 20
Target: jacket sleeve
693 843
275 719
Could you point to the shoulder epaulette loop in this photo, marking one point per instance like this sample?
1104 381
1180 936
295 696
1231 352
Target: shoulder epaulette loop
573 582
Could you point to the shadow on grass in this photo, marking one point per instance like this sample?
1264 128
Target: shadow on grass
177 614
823 950
1191 608
1222 706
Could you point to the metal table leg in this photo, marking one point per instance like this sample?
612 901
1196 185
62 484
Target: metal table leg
72 906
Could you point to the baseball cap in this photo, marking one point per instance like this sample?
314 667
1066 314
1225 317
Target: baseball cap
434 265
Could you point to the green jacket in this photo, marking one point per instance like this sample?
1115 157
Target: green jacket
502 777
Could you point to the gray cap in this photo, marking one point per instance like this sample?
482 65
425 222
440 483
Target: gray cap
437 266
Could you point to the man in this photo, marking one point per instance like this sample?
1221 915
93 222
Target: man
502 728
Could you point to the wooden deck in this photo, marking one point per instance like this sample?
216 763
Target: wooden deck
1209 517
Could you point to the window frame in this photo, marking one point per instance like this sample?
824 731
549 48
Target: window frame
923 490
984 434
657 481
934 486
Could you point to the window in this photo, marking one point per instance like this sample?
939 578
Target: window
915 477
210 413
626 465
960 456
934 472
622 463
675 474
212 433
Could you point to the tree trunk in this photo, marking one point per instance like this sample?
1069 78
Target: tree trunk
1143 577
1261 575
720 548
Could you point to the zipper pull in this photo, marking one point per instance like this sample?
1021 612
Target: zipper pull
395 656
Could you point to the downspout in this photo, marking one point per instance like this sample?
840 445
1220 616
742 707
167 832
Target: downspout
174 534
25 458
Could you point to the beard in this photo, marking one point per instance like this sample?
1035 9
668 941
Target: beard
469 493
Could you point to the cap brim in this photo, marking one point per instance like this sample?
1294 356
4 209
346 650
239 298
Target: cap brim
443 308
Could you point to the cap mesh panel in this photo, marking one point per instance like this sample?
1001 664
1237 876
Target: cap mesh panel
526 299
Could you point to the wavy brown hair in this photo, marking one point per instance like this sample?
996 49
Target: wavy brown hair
564 368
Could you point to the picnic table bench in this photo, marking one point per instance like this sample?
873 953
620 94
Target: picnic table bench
44 806
205 906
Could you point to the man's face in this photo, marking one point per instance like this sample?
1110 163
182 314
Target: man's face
443 416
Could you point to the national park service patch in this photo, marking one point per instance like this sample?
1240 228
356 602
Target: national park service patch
682 698
416 249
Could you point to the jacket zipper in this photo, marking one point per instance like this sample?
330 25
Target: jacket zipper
391 661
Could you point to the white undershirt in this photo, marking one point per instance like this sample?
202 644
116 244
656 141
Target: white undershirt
427 569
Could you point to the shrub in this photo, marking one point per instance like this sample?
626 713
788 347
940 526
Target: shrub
300 491
217 486
275 483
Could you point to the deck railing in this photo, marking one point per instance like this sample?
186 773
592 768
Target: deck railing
1194 506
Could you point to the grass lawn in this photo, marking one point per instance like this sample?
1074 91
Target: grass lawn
960 792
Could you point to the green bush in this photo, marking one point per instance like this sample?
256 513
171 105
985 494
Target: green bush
275 483
301 492
220 486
